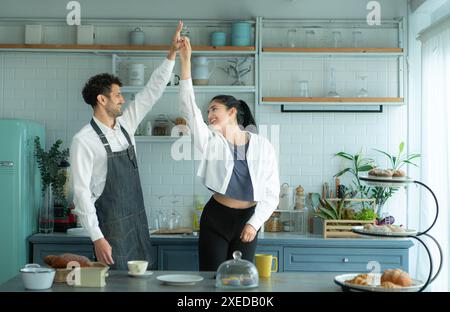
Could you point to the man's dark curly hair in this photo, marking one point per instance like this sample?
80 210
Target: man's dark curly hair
99 84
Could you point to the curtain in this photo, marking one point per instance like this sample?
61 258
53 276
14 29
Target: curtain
435 140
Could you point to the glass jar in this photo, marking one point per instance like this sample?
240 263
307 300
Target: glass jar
161 127
274 223
237 273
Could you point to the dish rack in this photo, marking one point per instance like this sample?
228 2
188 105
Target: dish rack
398 182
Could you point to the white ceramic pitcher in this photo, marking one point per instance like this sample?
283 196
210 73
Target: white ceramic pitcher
201 70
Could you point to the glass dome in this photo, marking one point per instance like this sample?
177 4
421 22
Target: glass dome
237 273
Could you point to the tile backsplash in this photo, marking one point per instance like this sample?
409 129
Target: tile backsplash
46 87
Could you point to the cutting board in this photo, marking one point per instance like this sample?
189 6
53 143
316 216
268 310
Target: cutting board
181 230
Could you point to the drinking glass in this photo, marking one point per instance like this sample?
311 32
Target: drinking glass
304 88
290 38
357 39
337 39
310 38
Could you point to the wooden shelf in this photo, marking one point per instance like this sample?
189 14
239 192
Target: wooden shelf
205 89
334 50
160 139
101 47
332 100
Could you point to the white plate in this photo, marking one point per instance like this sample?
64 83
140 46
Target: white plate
360 230
340 280
179 279
146 274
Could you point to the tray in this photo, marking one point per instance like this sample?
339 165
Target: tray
385 181
361 230
340 280
181 230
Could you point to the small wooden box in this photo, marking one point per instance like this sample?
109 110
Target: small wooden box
342 228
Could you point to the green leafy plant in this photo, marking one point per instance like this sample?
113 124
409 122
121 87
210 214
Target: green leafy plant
401 159
49 165
366 214
382 194
337 210
359 164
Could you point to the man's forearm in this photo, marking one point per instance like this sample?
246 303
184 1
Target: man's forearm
185 70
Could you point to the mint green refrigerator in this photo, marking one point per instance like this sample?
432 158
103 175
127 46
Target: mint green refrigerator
20 193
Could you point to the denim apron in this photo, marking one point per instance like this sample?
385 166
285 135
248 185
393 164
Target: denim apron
120 208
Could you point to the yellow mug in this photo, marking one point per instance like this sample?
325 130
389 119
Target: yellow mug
264 265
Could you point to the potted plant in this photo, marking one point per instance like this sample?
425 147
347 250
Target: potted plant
53 181
380 194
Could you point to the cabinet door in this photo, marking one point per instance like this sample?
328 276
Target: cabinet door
42 250
275 251
178 258
343 259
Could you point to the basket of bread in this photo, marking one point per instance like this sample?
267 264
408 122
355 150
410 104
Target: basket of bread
91 274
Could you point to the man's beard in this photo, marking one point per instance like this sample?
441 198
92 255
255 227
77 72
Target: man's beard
114 112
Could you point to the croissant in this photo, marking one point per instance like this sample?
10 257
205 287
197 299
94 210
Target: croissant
360 279
60 262
397 277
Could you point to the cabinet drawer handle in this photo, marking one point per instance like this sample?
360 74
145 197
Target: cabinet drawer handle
345 260
6 163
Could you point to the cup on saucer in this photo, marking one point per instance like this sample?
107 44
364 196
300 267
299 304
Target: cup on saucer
137 267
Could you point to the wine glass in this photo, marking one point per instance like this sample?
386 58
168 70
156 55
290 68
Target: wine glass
333 92
363 90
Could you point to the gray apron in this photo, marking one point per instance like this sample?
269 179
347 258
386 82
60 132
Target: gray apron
120 208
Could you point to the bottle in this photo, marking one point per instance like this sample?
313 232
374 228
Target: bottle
198 209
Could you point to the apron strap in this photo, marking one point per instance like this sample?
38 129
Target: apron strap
126 135
102 137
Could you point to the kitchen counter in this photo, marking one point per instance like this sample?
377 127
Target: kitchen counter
119 281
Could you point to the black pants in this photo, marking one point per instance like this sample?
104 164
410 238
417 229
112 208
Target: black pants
220 229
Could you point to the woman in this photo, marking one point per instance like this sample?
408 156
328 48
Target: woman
239 166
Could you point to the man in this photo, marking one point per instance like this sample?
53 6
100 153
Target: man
107 191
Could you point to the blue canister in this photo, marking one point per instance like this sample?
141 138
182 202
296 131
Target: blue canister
241 34
218 38
137 37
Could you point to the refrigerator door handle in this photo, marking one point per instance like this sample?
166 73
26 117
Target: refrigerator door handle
6 163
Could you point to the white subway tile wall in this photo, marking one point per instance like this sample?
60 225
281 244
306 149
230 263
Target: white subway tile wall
46 87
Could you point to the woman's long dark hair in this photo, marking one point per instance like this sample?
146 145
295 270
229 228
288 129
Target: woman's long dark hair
244 115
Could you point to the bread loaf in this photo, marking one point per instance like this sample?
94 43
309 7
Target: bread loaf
396 276
61 261
381 172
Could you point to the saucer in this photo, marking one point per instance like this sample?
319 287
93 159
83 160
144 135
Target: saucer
146 274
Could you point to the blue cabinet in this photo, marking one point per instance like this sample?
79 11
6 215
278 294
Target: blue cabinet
294 252
178 258
343 259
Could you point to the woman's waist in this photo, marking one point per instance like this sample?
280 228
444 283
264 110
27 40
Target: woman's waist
233 203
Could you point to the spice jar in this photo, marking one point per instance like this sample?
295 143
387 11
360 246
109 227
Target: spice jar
274 223
288 226
299 198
